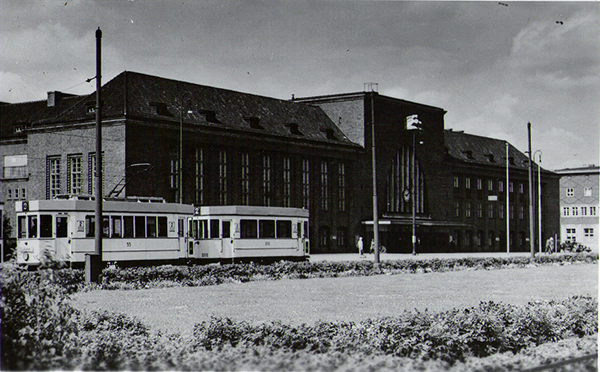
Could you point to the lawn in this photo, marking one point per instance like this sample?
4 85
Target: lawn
177 309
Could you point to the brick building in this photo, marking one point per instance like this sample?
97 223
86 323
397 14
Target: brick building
312 152
579 203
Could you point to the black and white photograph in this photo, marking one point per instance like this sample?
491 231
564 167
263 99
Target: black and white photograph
310 185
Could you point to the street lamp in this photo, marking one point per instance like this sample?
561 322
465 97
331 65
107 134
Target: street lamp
415 125
180 165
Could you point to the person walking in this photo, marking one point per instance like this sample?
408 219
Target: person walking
359 245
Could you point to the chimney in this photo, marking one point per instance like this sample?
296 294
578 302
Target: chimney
54 98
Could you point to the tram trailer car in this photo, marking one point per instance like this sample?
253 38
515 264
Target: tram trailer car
248 233
135 230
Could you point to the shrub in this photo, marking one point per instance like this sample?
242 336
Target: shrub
38 324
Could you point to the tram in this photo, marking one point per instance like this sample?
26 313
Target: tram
147 230
248 233
134 230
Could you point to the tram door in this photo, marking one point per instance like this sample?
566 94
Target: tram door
226 239
63 240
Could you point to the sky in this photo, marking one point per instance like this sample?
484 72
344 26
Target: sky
493 66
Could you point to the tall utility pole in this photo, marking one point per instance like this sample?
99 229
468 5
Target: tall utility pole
531 207
374 160
94 261
507 202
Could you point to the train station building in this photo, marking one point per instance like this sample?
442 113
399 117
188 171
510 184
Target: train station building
203 145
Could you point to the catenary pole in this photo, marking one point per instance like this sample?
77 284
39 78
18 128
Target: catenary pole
374 160
507 201
531 207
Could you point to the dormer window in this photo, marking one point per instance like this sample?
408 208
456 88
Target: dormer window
90 108
468 154
210 116
511 160
254 122
20 127
329 132
490 158
294 129
161 108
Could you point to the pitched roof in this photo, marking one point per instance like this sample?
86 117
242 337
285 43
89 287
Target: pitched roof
15 118
140 96
473 149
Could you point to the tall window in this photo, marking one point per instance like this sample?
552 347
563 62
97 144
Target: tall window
456 181
479 210
52 176
74 175
223 177
245 178
468 209
490 210
572 234
565 211
501 186
456 209
341 187
467 183
324 185
500 210
479 184
305 183
15 166
490 185
584 211
341 236
199 160
592 211
521 212
267 179
287 182
521 188
575 211
512 212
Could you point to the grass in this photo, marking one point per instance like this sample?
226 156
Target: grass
177 309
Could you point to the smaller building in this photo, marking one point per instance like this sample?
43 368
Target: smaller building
579 205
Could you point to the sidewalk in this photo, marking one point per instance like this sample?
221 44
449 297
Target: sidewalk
408 256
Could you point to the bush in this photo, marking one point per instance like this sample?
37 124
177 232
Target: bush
201 275
38 324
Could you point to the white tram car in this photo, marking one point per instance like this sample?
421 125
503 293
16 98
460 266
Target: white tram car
150 231
134 230
248 233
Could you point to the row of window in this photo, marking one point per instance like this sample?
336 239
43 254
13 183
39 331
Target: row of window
16 193
74 172
571 233
249 229
570 192
129 226
34 226
579 211
491 185
267 186
491 210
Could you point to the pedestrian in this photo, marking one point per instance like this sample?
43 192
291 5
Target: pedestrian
550 245
372 246
359 245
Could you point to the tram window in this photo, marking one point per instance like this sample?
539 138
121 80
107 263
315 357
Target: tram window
305 231
162 226
45 226
284 229
105 226
33 227
90 226
249 229
140 227
62 226
226 229
193 229
266 228
151 227
22 227
214 229
202 229
299 229
128 226
117 227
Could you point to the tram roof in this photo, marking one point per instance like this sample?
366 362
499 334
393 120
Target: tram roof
107 206
253 211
